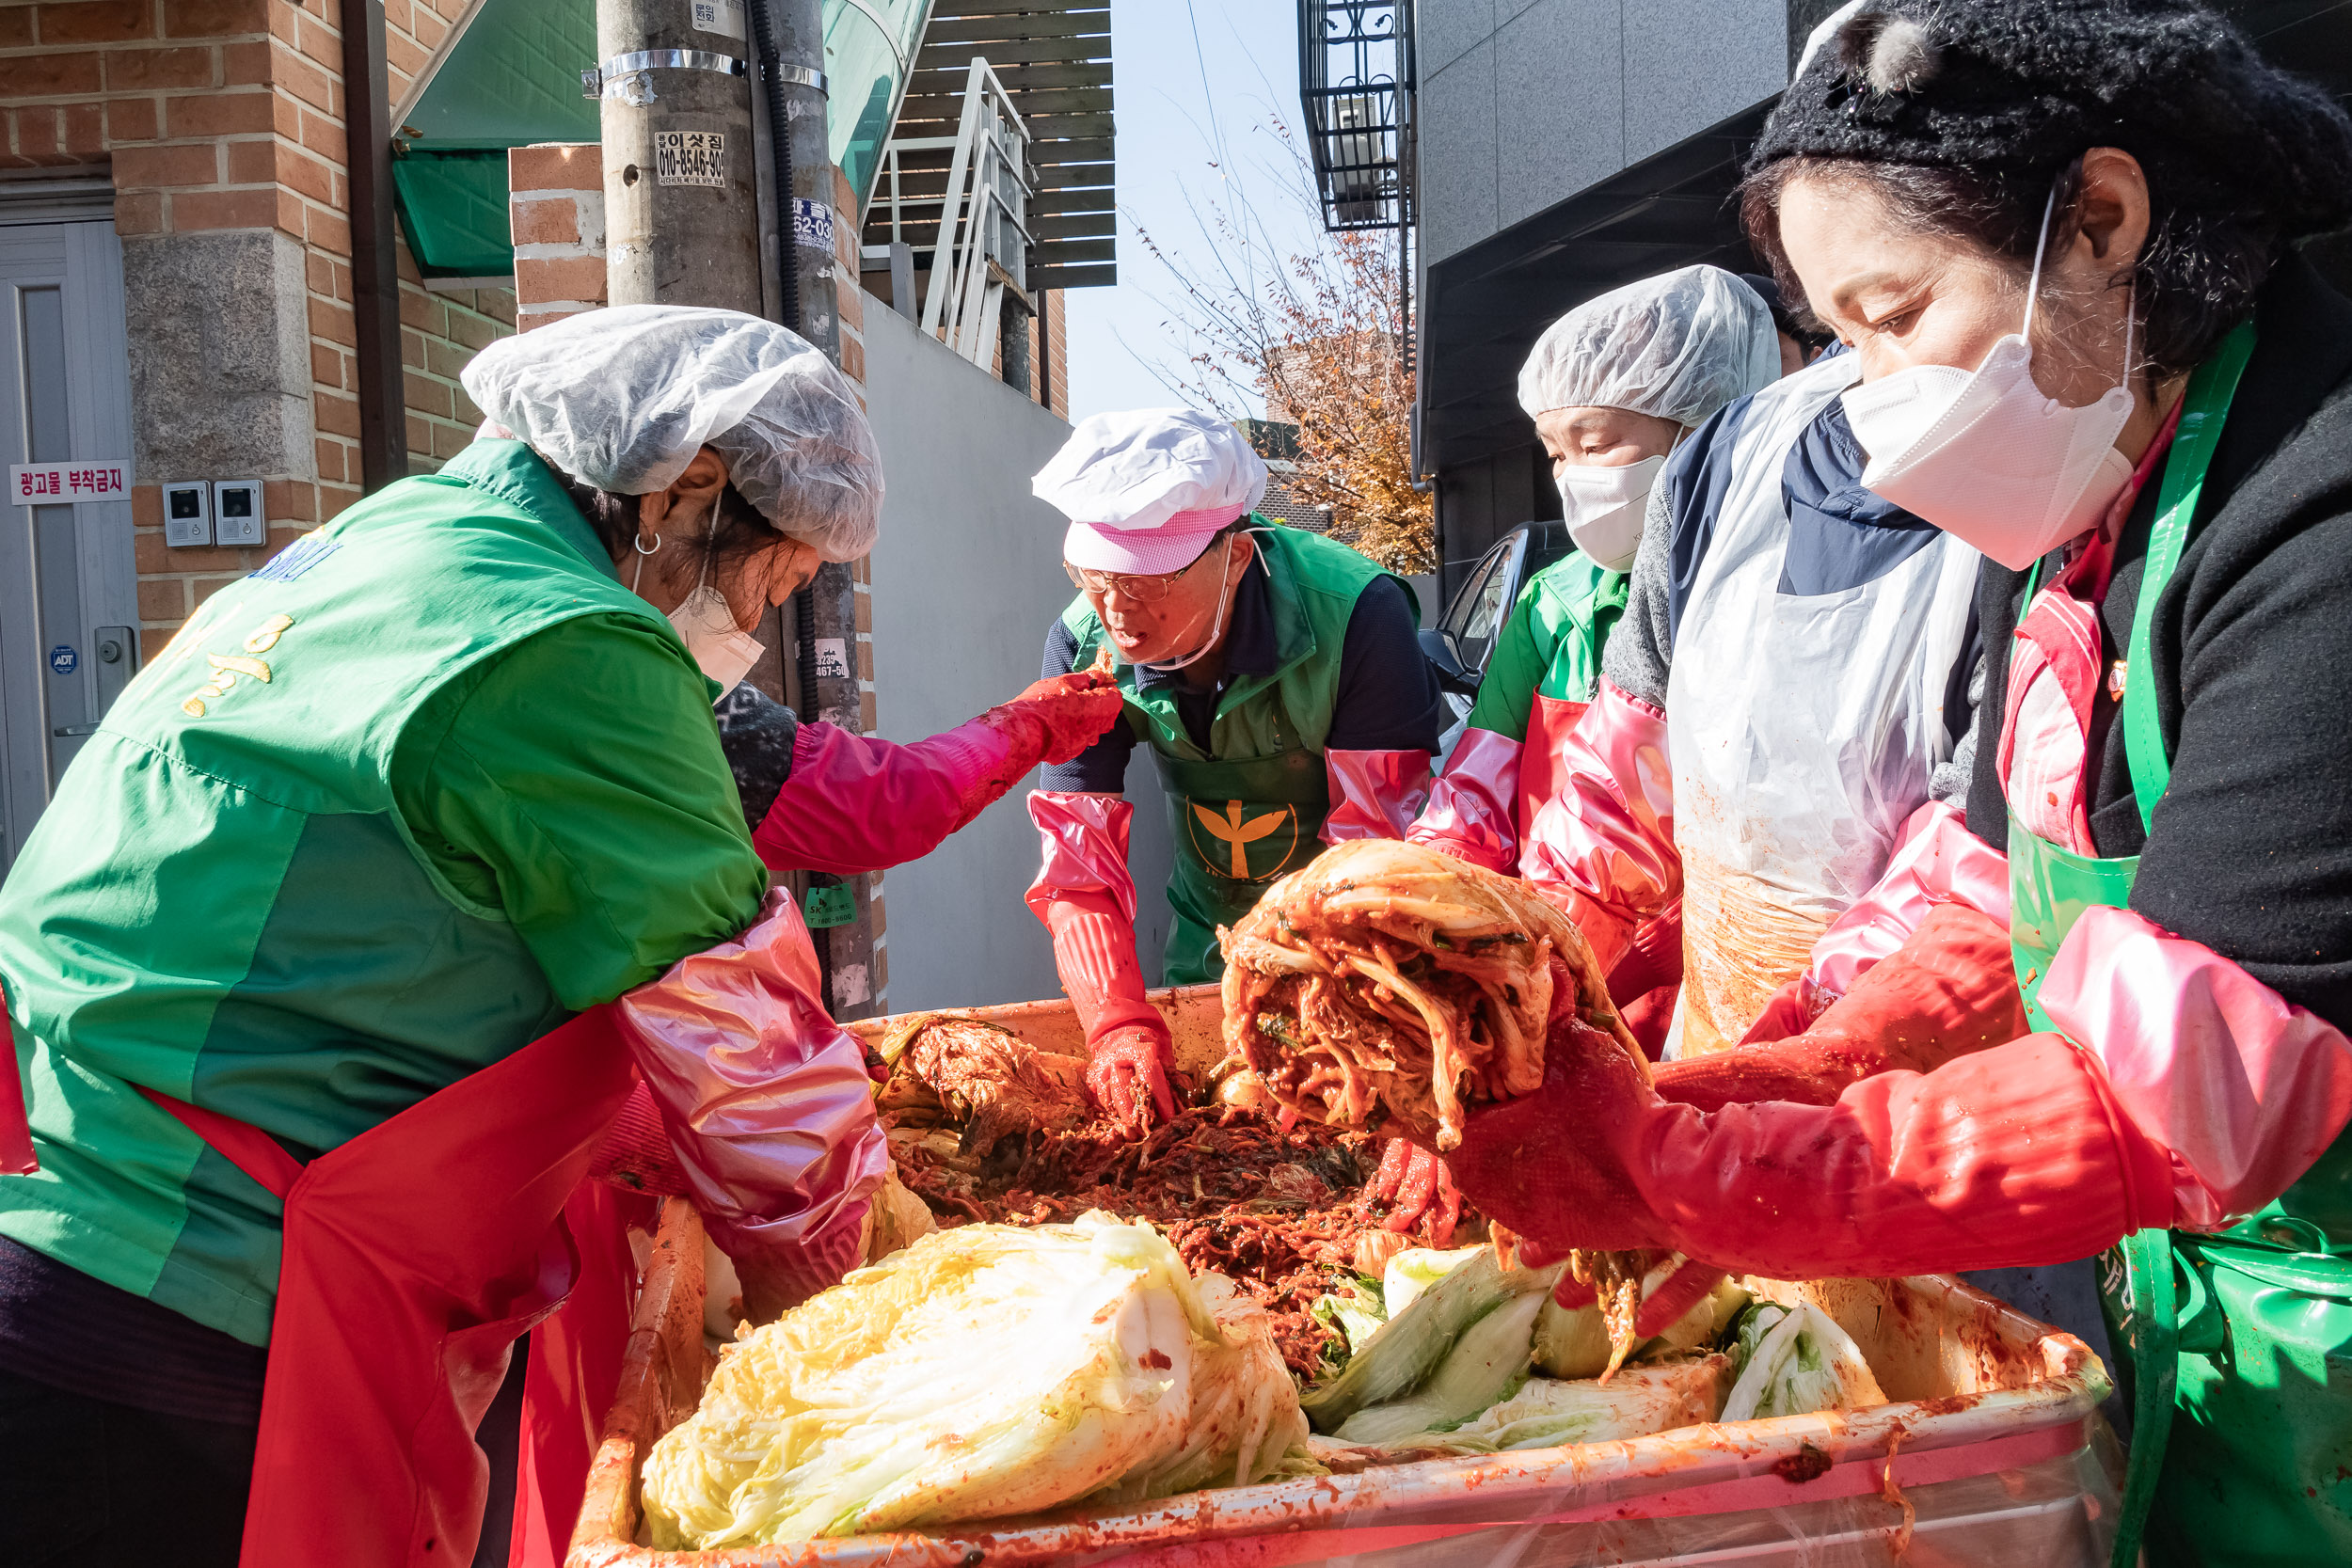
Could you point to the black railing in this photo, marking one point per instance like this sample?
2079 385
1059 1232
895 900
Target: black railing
1356 88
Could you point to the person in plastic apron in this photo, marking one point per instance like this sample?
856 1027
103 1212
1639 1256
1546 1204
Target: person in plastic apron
1613 387
2169 780
1775 720
299 1107
1277 679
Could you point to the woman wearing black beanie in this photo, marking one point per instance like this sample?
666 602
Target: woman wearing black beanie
2058 236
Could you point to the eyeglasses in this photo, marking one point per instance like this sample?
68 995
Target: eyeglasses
1142 590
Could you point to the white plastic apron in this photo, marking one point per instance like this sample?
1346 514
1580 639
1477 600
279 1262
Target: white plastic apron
1802 730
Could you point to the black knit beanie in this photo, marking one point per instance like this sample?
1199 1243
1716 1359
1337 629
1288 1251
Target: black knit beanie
2023 88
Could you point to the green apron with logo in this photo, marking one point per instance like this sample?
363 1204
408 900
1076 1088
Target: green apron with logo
2237 1346
1250 807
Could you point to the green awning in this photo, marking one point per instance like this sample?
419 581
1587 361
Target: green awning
452 207
514 79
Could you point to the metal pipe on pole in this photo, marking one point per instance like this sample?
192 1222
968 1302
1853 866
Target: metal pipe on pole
682 228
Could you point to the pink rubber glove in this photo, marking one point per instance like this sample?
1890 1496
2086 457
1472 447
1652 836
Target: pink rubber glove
767 1103
1087 898
856 803
1471 809
1948 990
1127 1074
1374 794
1935 860
1603 847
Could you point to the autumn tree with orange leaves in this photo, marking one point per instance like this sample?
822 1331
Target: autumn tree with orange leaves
1321 337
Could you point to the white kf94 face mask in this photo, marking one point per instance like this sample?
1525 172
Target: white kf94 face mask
1984 455
1604 508
724 651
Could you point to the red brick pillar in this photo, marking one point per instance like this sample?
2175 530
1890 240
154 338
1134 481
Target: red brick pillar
557 209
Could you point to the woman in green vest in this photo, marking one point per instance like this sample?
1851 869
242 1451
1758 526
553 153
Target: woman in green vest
2058 236
1276 678
304 934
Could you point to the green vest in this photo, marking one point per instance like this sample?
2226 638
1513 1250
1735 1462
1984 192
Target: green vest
222 903
1552 644
2239 1343
1249 807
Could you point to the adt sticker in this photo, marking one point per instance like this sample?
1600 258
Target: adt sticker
63 660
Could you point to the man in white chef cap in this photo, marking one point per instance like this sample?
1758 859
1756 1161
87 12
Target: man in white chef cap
1274 674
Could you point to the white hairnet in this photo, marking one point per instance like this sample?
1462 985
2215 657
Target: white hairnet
1136 469
620 399
1679 346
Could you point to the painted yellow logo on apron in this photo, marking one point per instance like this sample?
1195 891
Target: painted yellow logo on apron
1272 835
225 668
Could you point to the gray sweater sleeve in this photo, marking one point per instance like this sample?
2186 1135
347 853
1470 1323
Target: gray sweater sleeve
1641 649
1949 781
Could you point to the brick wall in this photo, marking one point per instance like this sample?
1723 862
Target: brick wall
221 122
556 207
440 328
1054 324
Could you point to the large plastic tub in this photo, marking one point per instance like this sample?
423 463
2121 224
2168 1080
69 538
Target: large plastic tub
1990 1452
1195 1014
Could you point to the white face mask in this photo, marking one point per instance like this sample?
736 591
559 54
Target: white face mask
1984 455
1604 508
1217 627
724 651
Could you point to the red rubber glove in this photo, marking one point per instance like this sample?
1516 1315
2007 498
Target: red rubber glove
1949 990
1086 900
857 803
1127 1074
2003 1158
1415 1184
1053 720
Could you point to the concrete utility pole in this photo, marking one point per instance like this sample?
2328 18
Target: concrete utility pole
682 80
680 183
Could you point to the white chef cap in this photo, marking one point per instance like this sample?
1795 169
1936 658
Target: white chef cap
1679 346
1146 488
620 399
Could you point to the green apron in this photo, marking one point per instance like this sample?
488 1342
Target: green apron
2237 1346
1250 807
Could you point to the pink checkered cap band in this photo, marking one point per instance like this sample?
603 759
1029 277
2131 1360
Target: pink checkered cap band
1147 551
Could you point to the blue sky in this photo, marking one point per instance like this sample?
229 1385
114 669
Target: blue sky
1175 103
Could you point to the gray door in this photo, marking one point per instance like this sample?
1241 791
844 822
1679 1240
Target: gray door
68 589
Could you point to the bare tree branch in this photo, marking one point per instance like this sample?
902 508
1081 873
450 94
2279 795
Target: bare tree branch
1320 339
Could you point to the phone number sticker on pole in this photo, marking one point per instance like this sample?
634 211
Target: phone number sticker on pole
52 484
689 157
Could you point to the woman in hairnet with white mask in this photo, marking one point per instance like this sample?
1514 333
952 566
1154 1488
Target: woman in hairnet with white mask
354 924
1613 387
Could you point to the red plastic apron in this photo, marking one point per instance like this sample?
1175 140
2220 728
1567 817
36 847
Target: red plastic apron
415 1256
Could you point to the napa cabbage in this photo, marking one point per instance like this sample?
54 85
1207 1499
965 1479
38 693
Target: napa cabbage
1548 1412
984 1370
1796 1360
